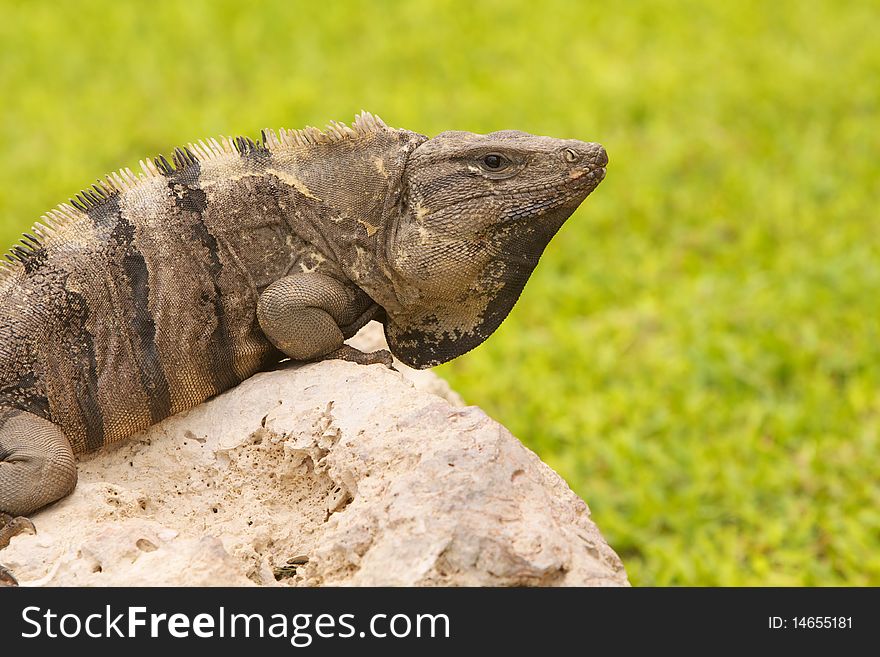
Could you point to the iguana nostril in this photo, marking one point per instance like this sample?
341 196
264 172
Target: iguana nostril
592 155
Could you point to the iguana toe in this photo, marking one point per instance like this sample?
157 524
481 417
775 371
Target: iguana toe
352 355
13 526
6 578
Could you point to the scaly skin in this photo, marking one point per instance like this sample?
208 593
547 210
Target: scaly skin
148 294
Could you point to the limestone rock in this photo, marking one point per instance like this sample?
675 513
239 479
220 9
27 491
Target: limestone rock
326 473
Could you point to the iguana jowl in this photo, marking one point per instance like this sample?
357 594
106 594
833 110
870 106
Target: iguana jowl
149 293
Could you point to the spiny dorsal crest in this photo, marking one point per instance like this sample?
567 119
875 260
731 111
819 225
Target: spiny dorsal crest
204 150
364 124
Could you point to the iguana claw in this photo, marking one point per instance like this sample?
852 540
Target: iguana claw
6 578
10 527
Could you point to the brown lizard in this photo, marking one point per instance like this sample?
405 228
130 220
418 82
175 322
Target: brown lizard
149 293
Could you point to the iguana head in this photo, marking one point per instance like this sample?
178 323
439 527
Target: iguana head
480 209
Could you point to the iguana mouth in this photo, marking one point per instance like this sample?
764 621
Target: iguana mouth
589 173
586 179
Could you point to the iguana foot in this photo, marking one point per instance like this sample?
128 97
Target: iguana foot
6 578
352 355
10 527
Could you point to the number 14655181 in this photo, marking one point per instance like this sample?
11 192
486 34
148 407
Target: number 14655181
810 623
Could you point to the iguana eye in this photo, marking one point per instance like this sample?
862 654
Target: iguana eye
495 161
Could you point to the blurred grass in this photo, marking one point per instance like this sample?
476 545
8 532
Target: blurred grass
698 353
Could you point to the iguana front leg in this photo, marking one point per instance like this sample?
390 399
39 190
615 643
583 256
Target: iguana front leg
309 316
36 468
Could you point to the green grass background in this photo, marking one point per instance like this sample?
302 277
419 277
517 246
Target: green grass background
698 353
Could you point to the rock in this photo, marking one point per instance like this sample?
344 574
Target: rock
372 337
326 473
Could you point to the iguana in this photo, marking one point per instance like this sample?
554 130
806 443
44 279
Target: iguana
149 293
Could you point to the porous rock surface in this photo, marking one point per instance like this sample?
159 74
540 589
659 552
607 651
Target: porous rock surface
328 473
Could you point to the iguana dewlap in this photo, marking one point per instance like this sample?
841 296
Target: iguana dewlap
151 292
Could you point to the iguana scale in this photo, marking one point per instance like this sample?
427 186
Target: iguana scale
149 293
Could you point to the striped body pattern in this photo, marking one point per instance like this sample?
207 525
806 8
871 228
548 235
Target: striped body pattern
149 293
137 299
